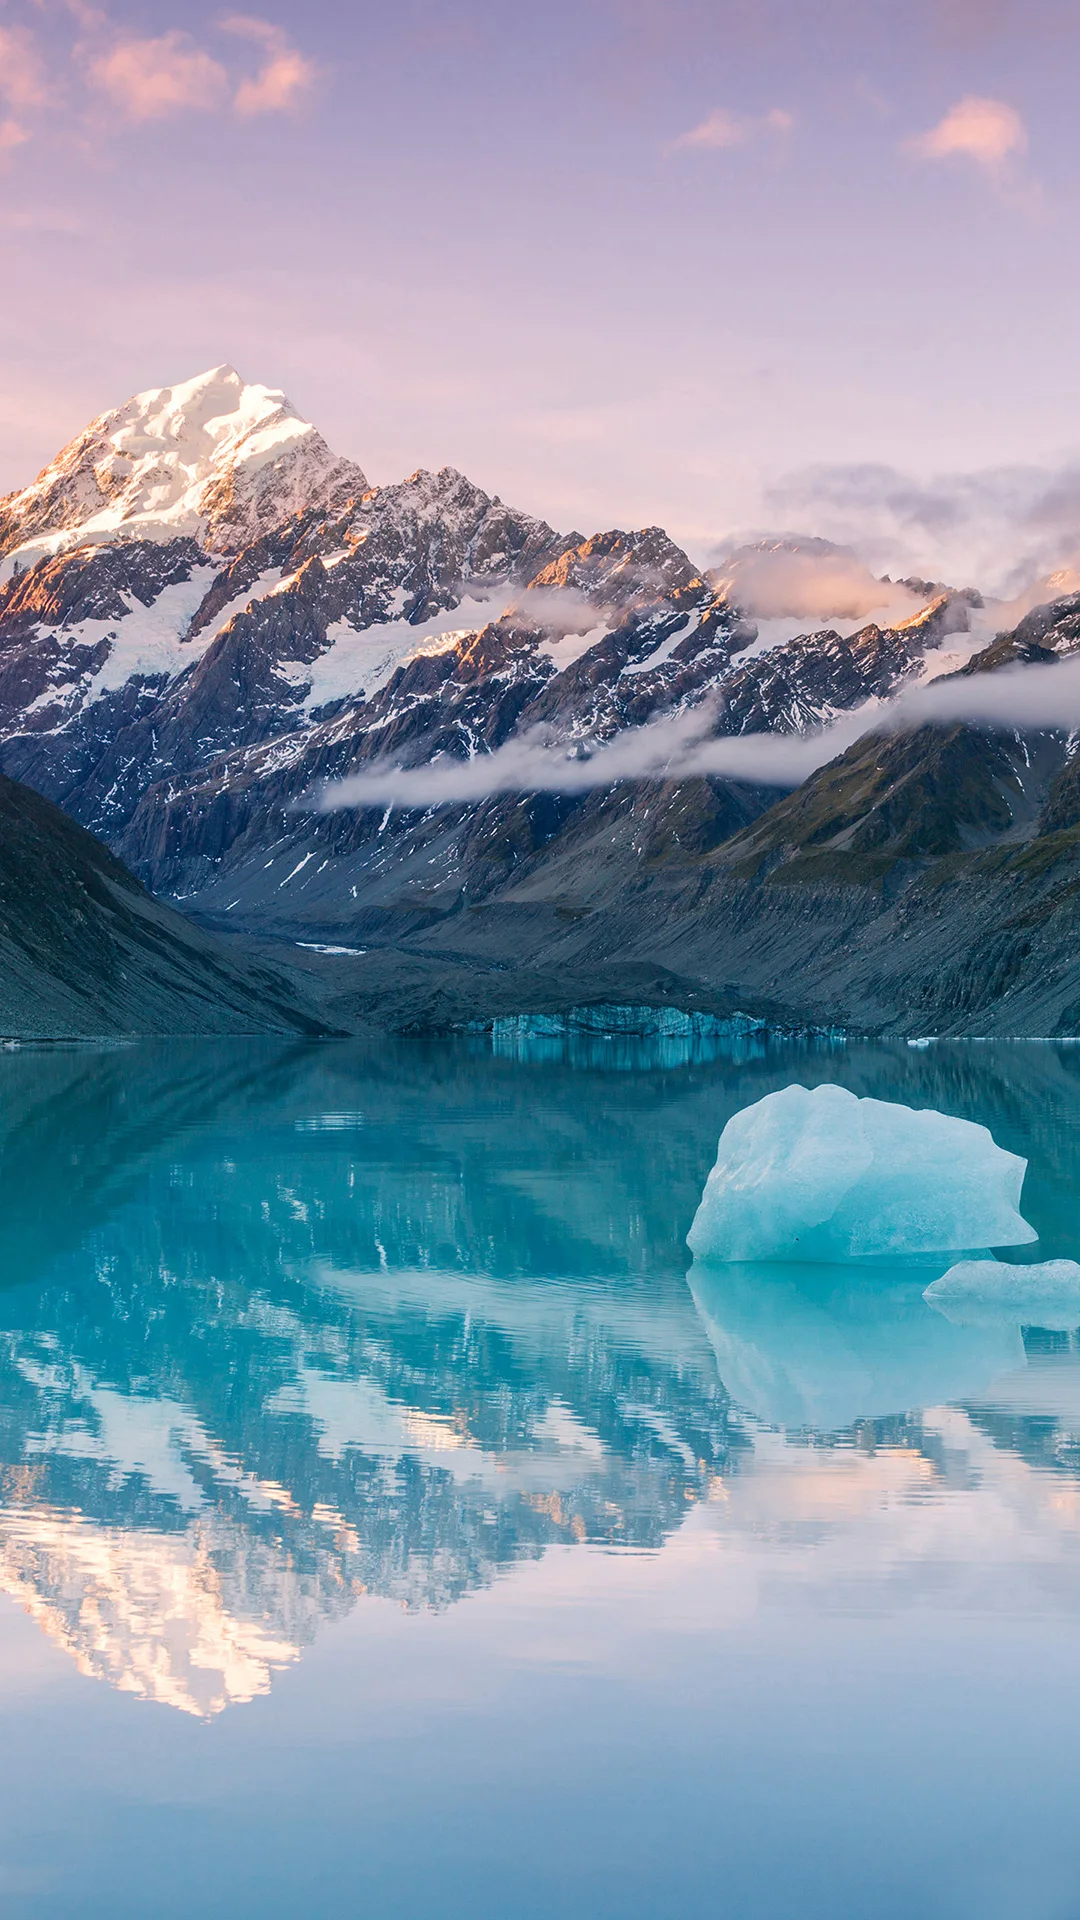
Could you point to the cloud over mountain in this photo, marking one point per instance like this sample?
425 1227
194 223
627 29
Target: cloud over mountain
1008 529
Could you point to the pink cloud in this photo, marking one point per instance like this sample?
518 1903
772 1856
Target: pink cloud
723 129
148 79
11 136
284 79
986 131
22 76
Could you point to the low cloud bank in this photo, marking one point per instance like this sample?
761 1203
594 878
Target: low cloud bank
809 579
1010 531
686 745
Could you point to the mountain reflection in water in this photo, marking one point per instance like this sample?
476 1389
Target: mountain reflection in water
284 1326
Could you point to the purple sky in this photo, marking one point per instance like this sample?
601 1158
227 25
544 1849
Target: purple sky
619 261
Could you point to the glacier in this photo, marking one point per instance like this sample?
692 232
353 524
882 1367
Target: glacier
1045 1293
821 1175
632 1038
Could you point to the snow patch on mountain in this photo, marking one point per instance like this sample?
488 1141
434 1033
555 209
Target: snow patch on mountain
942 660
361 660
564 648
663 653
148 643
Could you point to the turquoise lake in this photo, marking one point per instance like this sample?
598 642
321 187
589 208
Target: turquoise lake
394 1522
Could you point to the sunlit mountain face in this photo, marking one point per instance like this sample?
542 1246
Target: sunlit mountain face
285 1327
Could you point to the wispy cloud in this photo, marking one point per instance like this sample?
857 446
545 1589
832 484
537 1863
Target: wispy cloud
283 81
535 762
22 71
23 85
722 129
686 746
152 79
158 77
807 579
991 136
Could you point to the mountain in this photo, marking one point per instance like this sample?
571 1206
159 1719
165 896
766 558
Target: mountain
924 882
211 615
207 616
85 951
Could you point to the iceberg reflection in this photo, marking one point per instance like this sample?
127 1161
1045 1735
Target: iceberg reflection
822 1347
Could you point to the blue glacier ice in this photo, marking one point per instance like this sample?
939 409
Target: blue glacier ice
609 1035
819 1174
990 1292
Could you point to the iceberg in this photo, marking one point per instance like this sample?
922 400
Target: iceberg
822 1175
990 1293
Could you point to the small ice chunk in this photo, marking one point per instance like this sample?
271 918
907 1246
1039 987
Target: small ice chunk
987 1292
822 1175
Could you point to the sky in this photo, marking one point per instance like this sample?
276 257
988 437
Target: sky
722 265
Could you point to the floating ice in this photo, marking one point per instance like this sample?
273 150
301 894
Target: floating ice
822 1175
989 1293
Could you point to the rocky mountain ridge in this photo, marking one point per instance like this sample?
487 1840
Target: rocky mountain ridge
185 680
181 678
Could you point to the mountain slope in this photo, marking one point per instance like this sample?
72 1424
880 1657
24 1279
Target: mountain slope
85 951
922 883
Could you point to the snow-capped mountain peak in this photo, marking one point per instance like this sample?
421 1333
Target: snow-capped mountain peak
215 458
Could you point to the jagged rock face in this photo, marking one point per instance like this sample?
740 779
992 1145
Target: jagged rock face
212 615
1049 632
615 568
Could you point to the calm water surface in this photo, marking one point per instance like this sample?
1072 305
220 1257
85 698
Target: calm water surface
394 1524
